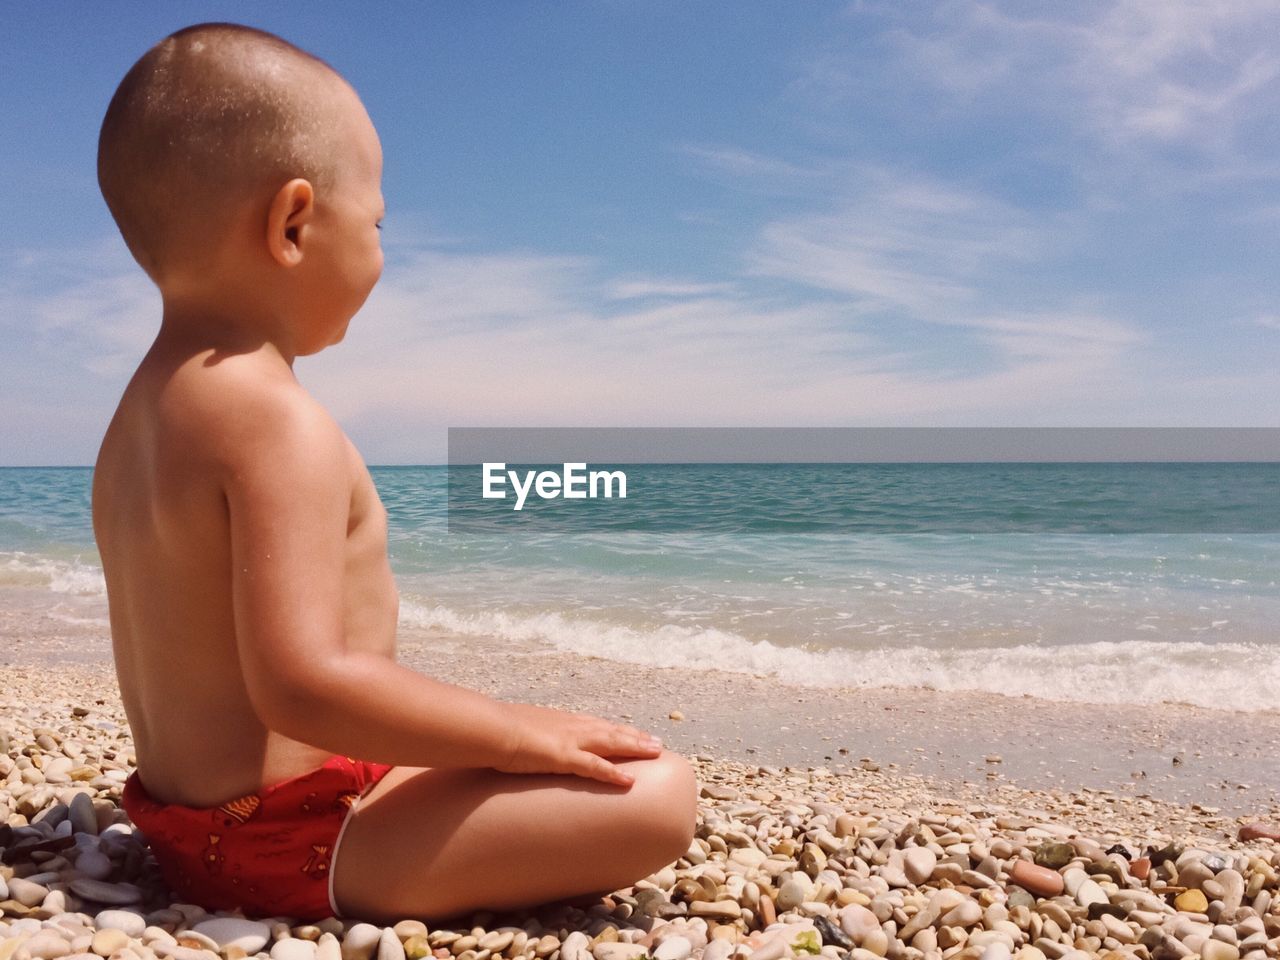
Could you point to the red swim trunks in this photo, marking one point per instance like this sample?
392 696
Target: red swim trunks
268 853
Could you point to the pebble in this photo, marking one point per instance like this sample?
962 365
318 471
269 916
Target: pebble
785 862
106 942
292 948
46 945
389 946
82 815
1217 950
618 951
94 864
857 921
964 914
718 910
832 935
1259 831
412 928
576 946
918 864
247 935
794 892
130 923
1191 901
102 892
1055 856
1089 892
360 941
673 948
1040 881
27 893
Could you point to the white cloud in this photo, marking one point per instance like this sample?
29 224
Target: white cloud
93 308
456 339
642 289
892 241
1130 72
747 163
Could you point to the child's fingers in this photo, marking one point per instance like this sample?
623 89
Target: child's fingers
634 731
592 766
623 742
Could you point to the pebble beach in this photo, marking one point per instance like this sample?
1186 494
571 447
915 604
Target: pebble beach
857 860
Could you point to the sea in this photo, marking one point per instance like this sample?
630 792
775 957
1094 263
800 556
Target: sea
1141 584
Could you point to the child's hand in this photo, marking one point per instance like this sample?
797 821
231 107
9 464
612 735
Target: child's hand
552 741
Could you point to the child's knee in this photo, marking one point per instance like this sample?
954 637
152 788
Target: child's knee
670 797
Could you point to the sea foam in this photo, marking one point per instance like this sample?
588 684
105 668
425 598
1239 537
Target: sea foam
76 577
1222 676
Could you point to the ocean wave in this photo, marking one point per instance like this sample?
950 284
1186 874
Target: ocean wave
18 569
1222 676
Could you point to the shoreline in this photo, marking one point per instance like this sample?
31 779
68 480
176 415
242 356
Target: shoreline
1222 761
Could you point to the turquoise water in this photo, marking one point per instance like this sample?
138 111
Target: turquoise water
1187 611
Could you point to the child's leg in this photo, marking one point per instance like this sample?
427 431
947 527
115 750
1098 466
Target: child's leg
437 843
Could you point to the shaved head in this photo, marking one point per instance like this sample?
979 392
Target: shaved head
212 116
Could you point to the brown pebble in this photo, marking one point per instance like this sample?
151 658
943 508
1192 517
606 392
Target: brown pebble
767 912
1191 901
1041 881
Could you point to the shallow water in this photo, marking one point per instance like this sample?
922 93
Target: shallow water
1085 615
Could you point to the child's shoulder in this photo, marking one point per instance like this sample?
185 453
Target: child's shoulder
241 407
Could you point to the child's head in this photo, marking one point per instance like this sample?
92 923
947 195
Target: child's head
227 145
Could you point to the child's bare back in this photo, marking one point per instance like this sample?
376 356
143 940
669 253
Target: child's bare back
253 609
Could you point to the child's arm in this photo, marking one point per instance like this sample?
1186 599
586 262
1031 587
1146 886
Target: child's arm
288 494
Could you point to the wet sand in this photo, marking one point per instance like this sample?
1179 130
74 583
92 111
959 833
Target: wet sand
1219 764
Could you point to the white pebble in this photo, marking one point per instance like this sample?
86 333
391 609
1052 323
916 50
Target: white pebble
576 946
673 948
291 948
27 893
360 941
389 946
249 935
46 945
919 863
126 920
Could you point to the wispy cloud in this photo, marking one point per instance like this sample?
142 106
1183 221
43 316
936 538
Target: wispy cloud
891 241
452 338
90 309
644 289
748 163
1175 71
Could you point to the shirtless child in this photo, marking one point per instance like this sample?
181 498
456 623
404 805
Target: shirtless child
287 765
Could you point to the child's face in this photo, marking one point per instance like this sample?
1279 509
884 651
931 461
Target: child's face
345 261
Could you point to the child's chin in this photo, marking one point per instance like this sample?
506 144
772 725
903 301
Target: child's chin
337 338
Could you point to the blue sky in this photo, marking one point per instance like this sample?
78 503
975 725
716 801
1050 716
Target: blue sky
736 213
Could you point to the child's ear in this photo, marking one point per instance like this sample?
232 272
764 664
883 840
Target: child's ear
288 219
